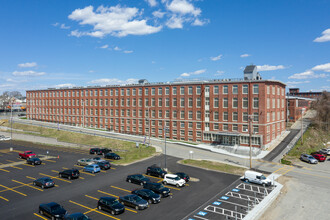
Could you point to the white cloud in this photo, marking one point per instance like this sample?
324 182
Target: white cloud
25 65
91 71
322 67
269 68
115 21
175 22
28 73
199 22
325 36
219 73
65 85
63 26
56 24
105 46
113 81
152 3
216 58
183 7
309 74
116 48
197 72
245 55
7 85
158 14
297 82
128 51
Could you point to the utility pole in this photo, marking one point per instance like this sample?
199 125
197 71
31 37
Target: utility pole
11 120
165 129
83 103
149 125
302 133
250 139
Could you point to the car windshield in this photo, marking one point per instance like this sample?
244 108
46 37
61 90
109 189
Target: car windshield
56 208
177 178
161 187
115 202
262 177
150 193
137 198
310 157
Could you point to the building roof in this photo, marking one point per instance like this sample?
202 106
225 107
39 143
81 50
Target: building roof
249 69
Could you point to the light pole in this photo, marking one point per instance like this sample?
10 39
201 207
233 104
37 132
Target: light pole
149 124
302 133
165 129
83 103
11 120
250 139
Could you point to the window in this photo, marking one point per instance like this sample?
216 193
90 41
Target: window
268 116
215 126
245 128
160 102
198 90
268 103
255 117
245 89
216 102
235 89
153 91
255 102
153 102
235 116
245 116
245 103
235 102
167 90
146 91
190 90
190 102
216 116
235 127
225 127
160 91
255 129
190 114
175 114
182 115
140 91
225 89
268 90
198 115
225 102
225 116
181 90
198 102
174 102
134 92
182 102
128 92
216 90
255 89
167 102
174 90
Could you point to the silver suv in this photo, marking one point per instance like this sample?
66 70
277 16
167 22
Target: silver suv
308 158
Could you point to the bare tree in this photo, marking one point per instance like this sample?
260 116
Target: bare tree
322 107
7 96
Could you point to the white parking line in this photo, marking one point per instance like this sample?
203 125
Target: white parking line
249 187
244 197
225 212
233 203
196 216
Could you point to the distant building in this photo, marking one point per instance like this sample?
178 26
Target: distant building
212 111
297 106
297 93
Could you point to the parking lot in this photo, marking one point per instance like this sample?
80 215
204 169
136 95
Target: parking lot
20 199
234 202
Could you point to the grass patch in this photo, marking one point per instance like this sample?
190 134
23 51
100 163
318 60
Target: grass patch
127 150
313 140
286 162
226 168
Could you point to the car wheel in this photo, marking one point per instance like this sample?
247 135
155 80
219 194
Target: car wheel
141 184
99 207
42 186
165 183
137 207
177 185
122 203
41 212
69 177
112 212
129 180
264 185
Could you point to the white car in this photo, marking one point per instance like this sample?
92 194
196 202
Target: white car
4 138
173 179
325 151
255 177
85 162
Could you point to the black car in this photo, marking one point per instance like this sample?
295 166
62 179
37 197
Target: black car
138 179
154 170
148 195
158 188
112 156
52 210
103 151
183 176
110 204
77 216
44 182
33 161
104 165
70 174
94 150
134 201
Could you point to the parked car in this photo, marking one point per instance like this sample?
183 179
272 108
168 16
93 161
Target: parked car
158 188
113 156
4 138
319 157
94 168
70 174
52 210
34 161
111 205
154 170
173 179
256 177
320 152
147 195
26 154
325 151
134 201
104 165
104 151
137 179
97 159
308 158
44 182
183 176
84 162
94 150
77 216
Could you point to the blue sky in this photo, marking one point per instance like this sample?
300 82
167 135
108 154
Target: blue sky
47 44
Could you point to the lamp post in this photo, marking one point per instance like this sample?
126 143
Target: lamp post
11 120
302 133
165 130
149 124
83 103
250 139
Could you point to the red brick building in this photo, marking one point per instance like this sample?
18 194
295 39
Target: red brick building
311 95
214 111
297 106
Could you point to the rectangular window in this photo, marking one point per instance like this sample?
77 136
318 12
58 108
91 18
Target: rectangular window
245 116
255 89
255 102
235 102
216 102
146 91
255 117
160 91
245 89
175 115
167 102
198 115
225 103
140 91
182 115
225 89
216 90
235 116
225 127
255 129
198 90
245 103
160 102
174 91
181 90
235 127
225 116
190 114
182 102
190 102
174 102
153 91
190 90
167 90
128 92
215 126
245 128
216 116
235 89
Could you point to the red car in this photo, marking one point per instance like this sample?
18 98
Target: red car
319 157
26 154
